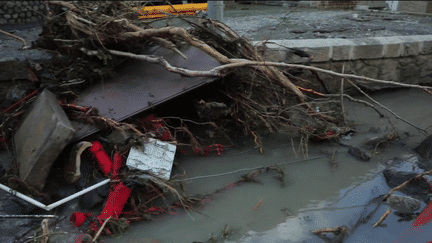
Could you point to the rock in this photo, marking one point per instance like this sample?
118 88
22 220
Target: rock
403 204
380 142
43 134
15 94
419 188
425 148
358 153
10 4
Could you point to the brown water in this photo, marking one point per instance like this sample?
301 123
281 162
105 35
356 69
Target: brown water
307 182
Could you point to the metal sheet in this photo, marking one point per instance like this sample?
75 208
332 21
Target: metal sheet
142 85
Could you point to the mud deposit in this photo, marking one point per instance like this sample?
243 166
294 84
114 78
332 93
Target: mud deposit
262 22
309 184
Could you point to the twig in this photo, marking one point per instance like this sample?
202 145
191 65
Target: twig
333 163
45 231
24 47
235 63
292 145
246 169
258 205
244 62
383 217
43 235
341 91
158 60
101 228
401 186
32 94
359 101
385 108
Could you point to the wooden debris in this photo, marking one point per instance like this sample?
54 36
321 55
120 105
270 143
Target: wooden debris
258 205
339 233
383 217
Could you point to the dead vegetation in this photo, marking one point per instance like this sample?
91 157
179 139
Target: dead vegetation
93 37
262 96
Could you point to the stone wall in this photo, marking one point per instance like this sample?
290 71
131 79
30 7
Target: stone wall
21 12
404 59
415 6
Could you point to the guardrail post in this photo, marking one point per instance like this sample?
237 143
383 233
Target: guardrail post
215 10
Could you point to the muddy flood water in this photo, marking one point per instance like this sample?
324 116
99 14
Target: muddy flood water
269 212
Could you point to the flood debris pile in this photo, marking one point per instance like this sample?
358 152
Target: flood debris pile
123 173
100 35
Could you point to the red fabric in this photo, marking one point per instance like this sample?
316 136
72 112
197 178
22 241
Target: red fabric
79 218
104 161
117 198
424 217
117 165
161 133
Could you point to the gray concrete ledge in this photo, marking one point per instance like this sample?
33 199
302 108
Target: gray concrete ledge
324 50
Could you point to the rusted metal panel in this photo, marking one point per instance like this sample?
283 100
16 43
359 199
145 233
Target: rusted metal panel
142 85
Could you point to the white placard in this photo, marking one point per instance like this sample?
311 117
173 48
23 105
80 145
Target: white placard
156 157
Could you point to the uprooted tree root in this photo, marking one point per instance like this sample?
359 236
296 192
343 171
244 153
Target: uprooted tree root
263 95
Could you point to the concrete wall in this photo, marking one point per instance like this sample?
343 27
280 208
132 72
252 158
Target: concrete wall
347 4
404 59
20 12
415 6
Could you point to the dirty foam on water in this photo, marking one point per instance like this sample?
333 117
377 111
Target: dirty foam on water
307 183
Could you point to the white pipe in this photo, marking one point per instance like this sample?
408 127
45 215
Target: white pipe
56 204
22 196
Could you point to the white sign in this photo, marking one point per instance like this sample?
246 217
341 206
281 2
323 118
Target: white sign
155 156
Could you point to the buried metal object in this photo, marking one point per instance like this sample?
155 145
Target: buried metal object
141 85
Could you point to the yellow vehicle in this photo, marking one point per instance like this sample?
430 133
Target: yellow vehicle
154 12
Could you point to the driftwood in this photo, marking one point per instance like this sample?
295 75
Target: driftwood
24 47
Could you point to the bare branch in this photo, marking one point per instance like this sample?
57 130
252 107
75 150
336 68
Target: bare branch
385 108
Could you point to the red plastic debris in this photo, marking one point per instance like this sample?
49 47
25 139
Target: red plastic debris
104 161
209 148
117 198
161 133
80 238
79 218
424 217
117 165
